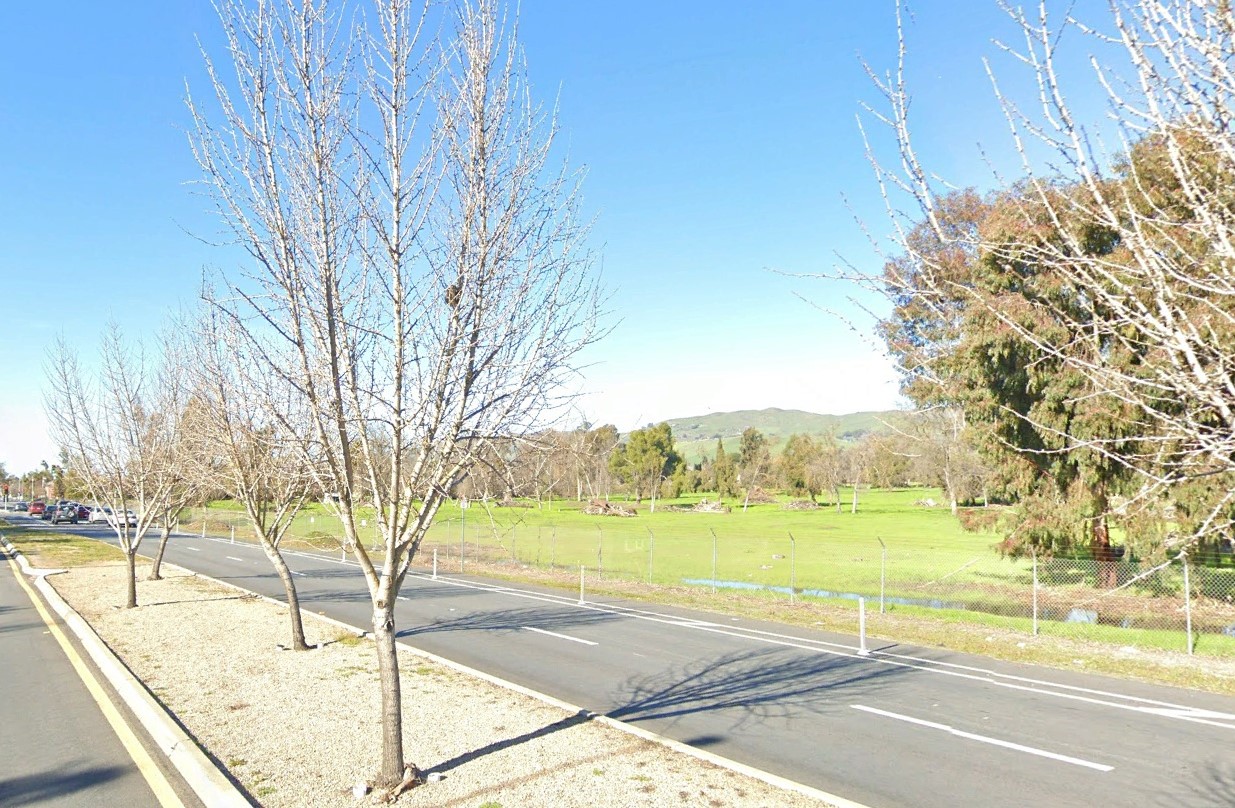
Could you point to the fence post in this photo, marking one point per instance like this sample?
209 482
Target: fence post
713 532
581 601
600 552
1035 592
553 548
883 571
435 563
1183 557
793 569
862 650
651 547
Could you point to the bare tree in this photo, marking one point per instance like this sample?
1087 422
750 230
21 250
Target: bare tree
1132 221
238 448
941 453
422 290
118 421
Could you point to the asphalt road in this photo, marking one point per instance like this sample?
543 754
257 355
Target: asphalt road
57 748
902 727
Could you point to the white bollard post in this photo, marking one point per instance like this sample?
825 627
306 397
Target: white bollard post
203 528
233 534
435 563
862 650
581 600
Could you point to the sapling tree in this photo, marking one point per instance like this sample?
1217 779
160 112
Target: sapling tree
118 421
418 284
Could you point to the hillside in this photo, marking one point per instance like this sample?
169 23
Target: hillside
697 435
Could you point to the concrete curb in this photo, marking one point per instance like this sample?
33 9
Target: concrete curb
210 784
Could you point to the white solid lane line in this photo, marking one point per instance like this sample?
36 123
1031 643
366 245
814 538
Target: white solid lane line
233 558
986 739
559 636
194 549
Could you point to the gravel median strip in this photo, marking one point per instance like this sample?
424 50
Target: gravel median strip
301 729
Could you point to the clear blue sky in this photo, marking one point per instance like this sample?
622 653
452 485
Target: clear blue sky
719 136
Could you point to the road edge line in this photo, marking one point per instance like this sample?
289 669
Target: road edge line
201 774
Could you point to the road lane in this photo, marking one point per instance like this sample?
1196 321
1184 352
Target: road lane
65 742
783 698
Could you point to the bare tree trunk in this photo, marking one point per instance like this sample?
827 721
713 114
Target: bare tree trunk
853 508
130 561
394 771
950 485
293 599
156 568
1100 547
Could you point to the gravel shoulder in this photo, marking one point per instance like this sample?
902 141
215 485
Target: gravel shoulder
302 728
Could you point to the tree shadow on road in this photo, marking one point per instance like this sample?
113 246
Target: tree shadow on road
56 784
1200 787
546 618
753 685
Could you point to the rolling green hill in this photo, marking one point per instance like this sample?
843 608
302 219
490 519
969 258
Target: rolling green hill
697 435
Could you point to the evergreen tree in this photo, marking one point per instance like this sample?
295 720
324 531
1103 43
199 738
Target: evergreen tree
724 472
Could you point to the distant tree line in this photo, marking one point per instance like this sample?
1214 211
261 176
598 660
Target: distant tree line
645 464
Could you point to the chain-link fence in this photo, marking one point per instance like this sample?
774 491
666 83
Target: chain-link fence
1184 603
1180 603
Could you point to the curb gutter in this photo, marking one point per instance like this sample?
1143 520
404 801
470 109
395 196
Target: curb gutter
210 784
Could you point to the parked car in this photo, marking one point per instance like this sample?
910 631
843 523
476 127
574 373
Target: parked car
63 513
83 513
22 506
98 514
37 508
130 518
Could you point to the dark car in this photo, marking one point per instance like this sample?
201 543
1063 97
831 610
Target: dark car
64 513
37 508
83 513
